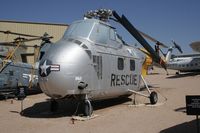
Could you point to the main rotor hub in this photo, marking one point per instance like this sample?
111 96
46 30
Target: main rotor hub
101 14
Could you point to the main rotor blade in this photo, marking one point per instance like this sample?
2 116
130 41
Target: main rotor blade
22 40
7 44
45 38
152 39
133 31
19 34
13 44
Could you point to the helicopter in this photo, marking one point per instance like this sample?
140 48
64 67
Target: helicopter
15 75
91 62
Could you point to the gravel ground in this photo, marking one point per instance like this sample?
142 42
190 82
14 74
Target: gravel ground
115 116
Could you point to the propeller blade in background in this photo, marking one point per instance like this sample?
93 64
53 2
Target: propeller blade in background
152 39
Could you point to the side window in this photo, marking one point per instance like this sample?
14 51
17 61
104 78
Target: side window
132 65
112 35
120 63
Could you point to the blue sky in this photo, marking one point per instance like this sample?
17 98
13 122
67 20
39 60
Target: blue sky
162 19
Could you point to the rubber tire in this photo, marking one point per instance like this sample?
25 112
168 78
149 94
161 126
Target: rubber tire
153 97
177 73
88 109
53 105
2 97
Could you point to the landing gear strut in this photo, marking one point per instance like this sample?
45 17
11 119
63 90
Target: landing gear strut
84 107
153 96
88 110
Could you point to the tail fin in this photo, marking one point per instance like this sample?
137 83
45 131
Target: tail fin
169 54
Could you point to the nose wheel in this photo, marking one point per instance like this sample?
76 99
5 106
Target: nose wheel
84 107
88 109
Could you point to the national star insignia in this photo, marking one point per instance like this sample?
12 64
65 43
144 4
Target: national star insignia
44 68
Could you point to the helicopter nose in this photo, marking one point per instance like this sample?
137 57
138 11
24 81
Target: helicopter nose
62 70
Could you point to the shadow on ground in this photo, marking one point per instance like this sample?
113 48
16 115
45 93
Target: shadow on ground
151 87
184 75
186 127
181 109
66 108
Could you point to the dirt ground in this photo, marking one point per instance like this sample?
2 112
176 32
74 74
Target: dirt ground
117 116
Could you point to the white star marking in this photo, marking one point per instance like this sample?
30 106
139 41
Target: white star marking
44 68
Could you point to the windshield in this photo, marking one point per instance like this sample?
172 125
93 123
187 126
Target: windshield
81 29
100 34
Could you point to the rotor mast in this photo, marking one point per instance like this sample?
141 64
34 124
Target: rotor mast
101 14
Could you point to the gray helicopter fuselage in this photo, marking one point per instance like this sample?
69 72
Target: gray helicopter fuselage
90 60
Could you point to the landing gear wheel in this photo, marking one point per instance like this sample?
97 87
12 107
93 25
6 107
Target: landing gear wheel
87 108
177 73
153 97
53 105
2 97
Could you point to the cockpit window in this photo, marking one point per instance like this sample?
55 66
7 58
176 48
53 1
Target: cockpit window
81 29
112 35
119 39
99 34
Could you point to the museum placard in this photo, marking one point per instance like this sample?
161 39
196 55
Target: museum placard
193 104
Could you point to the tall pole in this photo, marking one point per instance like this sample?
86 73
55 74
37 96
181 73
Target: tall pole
197 119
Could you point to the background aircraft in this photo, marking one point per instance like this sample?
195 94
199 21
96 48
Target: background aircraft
185 62
15 74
